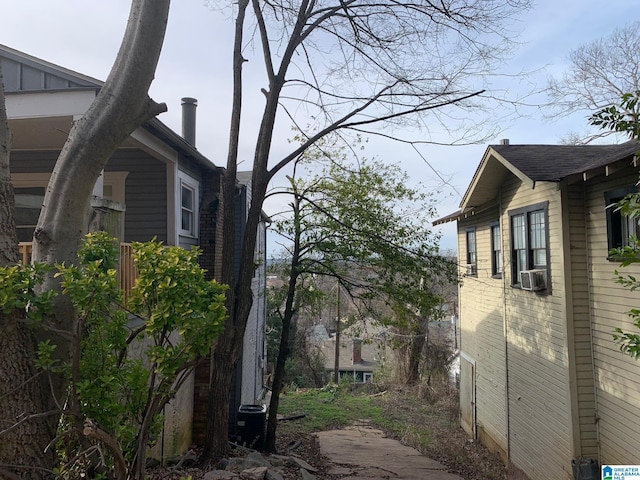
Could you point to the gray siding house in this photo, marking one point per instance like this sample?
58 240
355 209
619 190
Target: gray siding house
541 380
157 185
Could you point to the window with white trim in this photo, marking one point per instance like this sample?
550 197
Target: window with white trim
529 240
188 207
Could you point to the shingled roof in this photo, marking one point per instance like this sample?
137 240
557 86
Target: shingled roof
536 163
552 163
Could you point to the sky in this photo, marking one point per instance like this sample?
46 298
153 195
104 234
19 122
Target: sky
85 36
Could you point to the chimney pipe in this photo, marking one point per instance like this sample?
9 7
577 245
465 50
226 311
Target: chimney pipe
189 119
504 141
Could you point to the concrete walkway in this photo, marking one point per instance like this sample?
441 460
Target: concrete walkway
364 453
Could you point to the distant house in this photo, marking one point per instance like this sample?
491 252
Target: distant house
157 184
541 380
358 356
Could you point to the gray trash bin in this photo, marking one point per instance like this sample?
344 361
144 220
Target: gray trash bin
585 469
252 425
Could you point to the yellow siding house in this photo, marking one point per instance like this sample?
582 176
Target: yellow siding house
542 381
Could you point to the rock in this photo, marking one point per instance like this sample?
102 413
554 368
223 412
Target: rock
306 475
258 458
273 475
255 473
222 464
239 464
220 475
278 460
302 464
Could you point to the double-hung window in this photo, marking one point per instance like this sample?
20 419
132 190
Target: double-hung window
620 228
28 202
472 261
188 206
496 250
529 240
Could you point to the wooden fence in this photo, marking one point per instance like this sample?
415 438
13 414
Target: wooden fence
127 273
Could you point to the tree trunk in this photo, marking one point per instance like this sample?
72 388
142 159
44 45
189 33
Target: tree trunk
285 336
23 437
121 106
8 238
276 389
415 353
240 296
24 429
222 370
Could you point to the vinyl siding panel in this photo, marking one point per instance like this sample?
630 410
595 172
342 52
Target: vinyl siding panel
482 332
145 195
579 324
617 376
33 162
145 191
540 427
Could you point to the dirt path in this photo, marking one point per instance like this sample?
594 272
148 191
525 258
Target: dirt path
363 452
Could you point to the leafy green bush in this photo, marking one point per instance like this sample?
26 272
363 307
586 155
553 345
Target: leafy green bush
128 360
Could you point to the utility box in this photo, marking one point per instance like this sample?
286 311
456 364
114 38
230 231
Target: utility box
252 425
585 469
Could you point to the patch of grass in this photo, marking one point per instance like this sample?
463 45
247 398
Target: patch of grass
424 418
326 408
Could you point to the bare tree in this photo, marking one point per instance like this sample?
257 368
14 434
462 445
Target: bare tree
121 106
346 66
599 74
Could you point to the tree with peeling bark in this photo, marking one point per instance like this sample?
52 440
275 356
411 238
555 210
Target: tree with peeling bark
345 66
362 227
122 105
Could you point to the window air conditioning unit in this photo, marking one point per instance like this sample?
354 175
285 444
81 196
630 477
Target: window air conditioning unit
471 269
533 280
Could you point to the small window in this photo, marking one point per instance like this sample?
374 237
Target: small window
496 251
529 240
28 204
188 206
619 227
472 262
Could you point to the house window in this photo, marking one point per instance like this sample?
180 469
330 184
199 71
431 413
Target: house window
496 251
528 240
188 207
28 201
472 262
619 227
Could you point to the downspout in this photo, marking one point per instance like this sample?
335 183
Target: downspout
505 328
590 314
569 314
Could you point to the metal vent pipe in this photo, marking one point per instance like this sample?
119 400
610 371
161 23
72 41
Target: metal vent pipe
189 119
